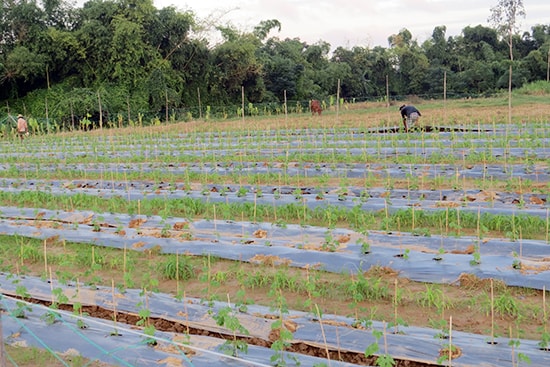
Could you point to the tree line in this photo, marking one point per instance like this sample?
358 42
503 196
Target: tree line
126 56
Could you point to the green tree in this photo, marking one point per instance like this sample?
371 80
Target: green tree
409 62
505 17
235 66
284 69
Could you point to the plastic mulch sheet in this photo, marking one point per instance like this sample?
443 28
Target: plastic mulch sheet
128 346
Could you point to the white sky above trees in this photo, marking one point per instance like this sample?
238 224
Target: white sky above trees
356 22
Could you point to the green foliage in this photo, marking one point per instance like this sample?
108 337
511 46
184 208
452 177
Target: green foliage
539 87
433 297
382 360
175 267
363 288
142 61
227 318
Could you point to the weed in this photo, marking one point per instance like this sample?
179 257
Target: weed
433 297
175 267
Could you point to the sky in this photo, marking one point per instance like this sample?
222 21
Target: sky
349 23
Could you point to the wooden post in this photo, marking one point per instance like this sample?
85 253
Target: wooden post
48 77
387 91
242 99
285 106
200 108
387 100
2 350
100 111
166 102
337 100
72 114
46 105
128 107
445 95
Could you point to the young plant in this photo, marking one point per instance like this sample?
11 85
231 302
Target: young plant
331 244
21 307
517 357
476 256
280 330
382 360
227 318
449 351
144 314
77 311
365 246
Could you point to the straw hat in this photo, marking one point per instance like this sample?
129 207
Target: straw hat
20 115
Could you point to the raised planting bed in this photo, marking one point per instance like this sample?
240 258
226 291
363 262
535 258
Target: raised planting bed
387 220
189 331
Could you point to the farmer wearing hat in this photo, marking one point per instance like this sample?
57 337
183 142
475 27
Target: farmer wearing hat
410 115
22 127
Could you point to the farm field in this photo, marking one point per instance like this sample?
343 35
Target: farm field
333 240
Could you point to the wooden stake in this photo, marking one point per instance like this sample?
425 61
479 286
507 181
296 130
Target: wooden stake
200 108
177 273
242 102
337 100
285 106
100 111
450 340
45 258
492 313
114 304
2 350
323 332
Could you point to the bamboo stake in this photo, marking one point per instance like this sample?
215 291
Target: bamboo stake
242 102
100 111
80 312
199 98
323 332
338 100
124 264
544 315
285 106
2 350
51 284
114 307
450 341
445 96
177 273
492 313
128 107
395 306
45 258
166 101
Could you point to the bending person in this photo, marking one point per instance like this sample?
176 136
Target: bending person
410 115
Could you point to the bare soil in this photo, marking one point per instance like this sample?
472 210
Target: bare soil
466 299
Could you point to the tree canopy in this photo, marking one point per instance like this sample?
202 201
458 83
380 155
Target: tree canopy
139 58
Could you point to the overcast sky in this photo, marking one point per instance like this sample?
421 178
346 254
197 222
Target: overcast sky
351 23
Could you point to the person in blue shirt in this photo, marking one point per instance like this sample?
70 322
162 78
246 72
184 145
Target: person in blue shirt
410 115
